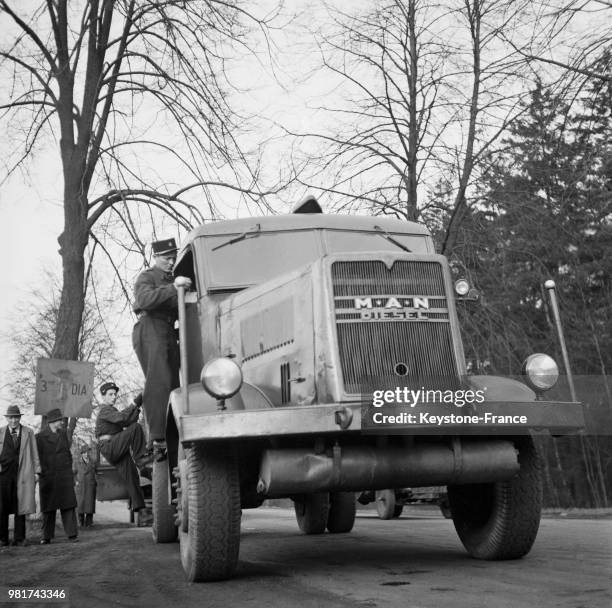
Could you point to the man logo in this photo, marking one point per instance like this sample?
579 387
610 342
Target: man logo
398 302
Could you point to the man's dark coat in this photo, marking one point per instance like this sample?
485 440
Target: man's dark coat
56 483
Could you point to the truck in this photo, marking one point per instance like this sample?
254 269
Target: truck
293 322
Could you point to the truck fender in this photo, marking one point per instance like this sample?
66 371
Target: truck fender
498 388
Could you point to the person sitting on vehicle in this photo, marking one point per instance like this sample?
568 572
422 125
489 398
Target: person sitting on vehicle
122 440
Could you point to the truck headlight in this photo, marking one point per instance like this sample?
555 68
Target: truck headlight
462 287
540 371
221 378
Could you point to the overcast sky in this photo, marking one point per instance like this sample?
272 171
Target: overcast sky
31 200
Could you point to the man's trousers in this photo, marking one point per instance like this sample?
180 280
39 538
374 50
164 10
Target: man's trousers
69 521
118 451
20 527
154 341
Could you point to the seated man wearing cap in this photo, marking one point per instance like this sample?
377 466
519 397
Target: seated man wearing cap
122 440
56 485
19 466
154 338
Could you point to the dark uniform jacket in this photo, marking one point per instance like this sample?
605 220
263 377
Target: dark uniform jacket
155 294
155 342
112 421
56 483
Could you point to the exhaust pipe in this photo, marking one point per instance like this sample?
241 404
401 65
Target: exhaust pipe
353 468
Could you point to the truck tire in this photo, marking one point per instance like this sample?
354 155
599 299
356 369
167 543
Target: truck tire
342 510
311 512
163 527
385 503
498 521
209 532
397 511
445 507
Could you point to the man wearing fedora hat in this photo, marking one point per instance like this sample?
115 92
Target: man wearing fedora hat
19 466
56 484
154 338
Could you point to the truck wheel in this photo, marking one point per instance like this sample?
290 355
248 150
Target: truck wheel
385 503
445 507
342 510
163 528
311 512
209 523
397 511
497 521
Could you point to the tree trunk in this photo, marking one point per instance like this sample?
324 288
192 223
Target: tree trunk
73 242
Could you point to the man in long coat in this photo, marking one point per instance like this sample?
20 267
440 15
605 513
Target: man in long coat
19 466
56 484
85 462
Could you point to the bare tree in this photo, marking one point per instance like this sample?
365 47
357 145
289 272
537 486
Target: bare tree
430 89
115 82
571 37
391 65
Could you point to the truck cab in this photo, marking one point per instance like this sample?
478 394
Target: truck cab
294 323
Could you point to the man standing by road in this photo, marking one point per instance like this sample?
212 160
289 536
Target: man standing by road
85 462
19 466
154 339
120 437
56 484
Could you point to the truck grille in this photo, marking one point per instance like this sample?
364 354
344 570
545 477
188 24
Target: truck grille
393 325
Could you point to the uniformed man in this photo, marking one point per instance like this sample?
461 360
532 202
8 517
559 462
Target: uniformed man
154 339
122 441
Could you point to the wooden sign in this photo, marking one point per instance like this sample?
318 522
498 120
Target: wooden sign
67 385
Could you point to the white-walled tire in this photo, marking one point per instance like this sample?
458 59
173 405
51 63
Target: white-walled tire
385 503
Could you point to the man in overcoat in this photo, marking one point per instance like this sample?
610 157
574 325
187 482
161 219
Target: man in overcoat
19 466
85 464
56 483
154 339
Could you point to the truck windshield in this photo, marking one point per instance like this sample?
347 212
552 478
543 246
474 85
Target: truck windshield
339 241
237 261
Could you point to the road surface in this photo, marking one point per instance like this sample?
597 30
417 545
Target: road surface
414 562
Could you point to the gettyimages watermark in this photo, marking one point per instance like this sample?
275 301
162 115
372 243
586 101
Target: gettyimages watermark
490 406
402 395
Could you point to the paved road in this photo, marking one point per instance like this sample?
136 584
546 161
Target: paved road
414 562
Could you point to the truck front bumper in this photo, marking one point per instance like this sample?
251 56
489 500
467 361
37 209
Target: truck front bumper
557 418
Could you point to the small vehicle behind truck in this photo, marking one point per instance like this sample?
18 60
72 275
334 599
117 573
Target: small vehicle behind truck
293 323
390 503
